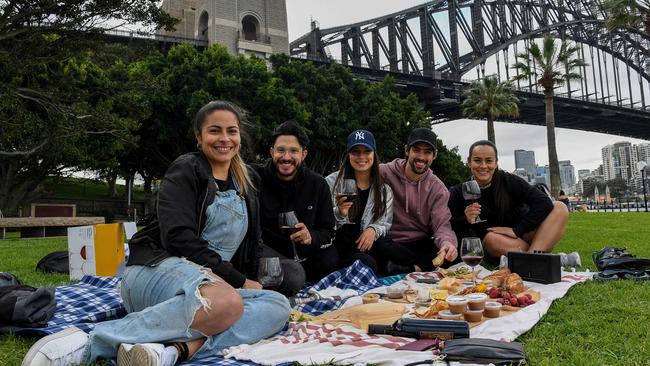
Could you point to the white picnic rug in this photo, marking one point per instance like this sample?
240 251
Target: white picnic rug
309 343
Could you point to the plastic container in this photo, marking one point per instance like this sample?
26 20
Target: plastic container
492 310
473 316
476 301
394 292
370 298
457 304
448 315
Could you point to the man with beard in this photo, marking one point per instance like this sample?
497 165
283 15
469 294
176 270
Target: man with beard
288 185
421 229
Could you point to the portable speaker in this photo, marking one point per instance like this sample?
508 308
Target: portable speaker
535 267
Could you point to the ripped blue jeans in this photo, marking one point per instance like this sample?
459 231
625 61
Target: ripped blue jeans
162 301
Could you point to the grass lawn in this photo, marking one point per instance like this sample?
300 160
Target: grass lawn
594 324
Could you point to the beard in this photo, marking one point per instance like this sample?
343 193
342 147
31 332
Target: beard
296 166
417 170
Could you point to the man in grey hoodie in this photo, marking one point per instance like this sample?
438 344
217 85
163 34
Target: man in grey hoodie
421 229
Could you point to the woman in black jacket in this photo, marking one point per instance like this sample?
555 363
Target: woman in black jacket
518 216
180 282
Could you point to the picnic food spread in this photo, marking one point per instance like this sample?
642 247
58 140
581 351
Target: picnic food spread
452 298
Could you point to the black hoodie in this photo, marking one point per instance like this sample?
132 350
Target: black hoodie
186 191
308 195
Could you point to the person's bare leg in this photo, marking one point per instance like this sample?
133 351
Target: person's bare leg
497 245
551 230
225 308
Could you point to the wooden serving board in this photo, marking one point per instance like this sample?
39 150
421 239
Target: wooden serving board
360 316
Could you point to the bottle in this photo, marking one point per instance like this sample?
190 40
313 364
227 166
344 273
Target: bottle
423 328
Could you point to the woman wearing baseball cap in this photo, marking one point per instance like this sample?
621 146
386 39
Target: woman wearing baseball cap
363 218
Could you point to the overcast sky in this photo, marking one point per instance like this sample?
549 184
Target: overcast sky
582 148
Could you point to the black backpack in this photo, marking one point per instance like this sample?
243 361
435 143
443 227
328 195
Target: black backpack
56 262
23 306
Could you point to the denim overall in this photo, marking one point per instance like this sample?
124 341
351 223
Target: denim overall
162 300
226 223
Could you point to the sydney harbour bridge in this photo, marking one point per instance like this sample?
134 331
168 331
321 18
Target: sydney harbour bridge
436 49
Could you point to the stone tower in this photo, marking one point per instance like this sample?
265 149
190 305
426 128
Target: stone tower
250 27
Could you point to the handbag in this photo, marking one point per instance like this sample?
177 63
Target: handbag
484 351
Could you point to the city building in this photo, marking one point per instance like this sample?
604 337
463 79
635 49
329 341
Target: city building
526 160
249 27
584 173
521 172
643 151
619 161
567 176
542 176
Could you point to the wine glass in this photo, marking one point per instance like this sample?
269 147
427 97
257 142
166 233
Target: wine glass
269 273
471 194
287 222
471 252
347 188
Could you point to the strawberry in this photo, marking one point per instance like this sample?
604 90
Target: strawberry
531 302
514 301
528 296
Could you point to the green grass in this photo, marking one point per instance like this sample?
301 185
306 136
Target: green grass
594 324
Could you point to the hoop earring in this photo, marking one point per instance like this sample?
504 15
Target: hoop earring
198 146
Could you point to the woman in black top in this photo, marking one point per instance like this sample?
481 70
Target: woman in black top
518 216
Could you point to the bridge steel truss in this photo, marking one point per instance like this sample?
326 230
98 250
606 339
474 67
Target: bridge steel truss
442 41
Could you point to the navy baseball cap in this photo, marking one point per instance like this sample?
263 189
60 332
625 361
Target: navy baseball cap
363 138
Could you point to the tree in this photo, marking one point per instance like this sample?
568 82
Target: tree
550 67
491 99
627 14
58 106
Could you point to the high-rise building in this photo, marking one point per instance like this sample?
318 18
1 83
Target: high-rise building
525 160
567 175
542 176
619 161
584 173
643 151
249 27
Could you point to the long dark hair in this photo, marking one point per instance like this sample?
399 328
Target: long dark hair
502 202
379 192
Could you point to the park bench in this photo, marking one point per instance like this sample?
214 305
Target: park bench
41 227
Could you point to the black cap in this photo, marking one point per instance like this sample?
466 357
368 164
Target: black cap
422 135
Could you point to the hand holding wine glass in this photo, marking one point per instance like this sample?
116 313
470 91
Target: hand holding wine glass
471 194
269 273
287 222
346 193
471 252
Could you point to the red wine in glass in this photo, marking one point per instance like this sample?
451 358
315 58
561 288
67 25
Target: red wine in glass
471 194
287 222
472 260
288 230
471 252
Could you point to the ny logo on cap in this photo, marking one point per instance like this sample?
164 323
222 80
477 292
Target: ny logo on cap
359 135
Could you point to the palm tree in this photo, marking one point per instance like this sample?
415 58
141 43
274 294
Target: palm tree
550 67
491 99
627 14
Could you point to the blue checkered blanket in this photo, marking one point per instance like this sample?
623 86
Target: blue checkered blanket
96 299
357 277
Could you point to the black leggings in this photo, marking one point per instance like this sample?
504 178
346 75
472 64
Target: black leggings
420 252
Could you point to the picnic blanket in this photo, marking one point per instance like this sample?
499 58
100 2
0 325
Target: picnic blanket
321 348
96 299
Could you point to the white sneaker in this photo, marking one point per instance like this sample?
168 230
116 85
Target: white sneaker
59 349
145 354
